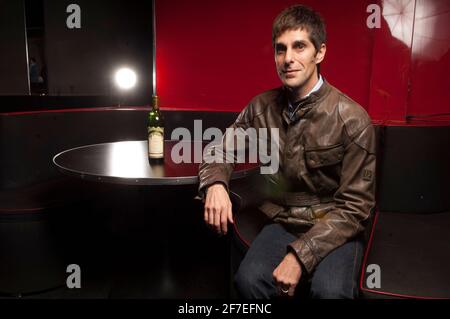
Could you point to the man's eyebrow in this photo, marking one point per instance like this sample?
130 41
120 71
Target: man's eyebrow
300 42
280 45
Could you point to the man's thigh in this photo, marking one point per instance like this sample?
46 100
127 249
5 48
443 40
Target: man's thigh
336 276
270 246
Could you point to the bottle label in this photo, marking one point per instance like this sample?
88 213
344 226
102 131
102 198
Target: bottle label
156 142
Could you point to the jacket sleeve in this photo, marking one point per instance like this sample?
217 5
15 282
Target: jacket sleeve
220 172
354 198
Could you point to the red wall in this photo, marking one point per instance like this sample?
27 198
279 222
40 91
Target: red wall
218 55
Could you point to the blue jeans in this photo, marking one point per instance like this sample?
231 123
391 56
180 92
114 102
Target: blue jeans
335 277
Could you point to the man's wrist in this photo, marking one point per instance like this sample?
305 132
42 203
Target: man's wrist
294 256
215 184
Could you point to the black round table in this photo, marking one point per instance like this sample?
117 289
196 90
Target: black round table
181 255
127 163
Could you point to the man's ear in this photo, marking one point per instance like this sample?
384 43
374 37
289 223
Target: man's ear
320 55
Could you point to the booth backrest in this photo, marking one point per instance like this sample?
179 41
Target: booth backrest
414 169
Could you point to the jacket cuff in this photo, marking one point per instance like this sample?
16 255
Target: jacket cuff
303 250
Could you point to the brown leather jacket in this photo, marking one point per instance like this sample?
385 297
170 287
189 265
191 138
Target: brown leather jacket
324 189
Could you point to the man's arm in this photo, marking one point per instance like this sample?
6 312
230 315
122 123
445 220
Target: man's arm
214 181
355 198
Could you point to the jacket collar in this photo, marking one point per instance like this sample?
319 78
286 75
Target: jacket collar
305 105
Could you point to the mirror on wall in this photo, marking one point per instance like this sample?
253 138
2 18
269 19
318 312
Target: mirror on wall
35 33
13 52
74 49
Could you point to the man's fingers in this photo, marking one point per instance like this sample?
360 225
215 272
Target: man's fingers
217 213
283 290
211 217
207 208
224 222
291 291
218 209
230 214
286 290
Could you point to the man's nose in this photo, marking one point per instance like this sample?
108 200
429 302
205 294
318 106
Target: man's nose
288 58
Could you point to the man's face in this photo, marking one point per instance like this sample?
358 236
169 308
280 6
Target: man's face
296 59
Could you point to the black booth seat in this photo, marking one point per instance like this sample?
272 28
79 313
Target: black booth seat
248 222
39 197
413 253
410 240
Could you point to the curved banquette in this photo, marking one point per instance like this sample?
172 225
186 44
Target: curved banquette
48 221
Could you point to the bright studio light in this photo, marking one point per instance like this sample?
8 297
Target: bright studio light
125 78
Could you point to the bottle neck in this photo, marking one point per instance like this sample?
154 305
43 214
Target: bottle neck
155 102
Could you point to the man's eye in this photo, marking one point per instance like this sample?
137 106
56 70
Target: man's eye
280 49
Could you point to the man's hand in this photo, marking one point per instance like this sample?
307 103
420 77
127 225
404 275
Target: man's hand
218 208
288 274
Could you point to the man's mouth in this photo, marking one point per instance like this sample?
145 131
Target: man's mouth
290 73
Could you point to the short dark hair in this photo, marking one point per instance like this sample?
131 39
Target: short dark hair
300 17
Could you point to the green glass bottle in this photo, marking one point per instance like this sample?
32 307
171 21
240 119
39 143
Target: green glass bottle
155 129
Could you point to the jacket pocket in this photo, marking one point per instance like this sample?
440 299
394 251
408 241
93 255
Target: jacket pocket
324 167
319 157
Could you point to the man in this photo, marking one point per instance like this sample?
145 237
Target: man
323 192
